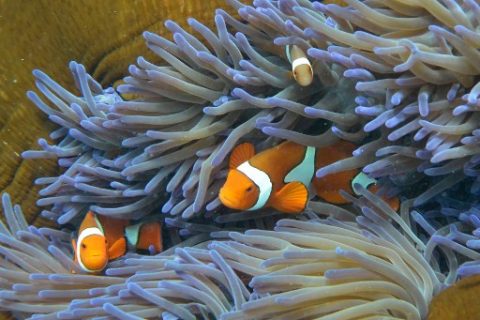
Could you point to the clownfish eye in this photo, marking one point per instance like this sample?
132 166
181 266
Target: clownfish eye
84 245
249 189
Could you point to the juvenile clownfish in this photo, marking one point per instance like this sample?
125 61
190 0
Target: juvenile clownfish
101 239
279 177
301 66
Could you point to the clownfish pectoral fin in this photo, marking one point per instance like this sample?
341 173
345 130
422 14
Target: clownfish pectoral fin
117 249
240 154
292 198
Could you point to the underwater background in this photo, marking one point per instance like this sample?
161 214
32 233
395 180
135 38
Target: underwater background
402 89
105 36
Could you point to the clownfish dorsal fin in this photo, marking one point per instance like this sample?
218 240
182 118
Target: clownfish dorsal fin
240 154
117 249
291 198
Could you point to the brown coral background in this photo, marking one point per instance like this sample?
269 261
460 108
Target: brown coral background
105 36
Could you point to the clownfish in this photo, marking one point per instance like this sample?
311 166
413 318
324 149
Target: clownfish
101 239
301 67
279 177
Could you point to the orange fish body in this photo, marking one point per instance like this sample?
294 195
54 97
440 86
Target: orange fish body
279 177
101 239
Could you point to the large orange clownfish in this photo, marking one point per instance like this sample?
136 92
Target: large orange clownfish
279 177
101 239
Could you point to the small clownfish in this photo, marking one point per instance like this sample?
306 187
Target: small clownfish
101 239
279 177
301 66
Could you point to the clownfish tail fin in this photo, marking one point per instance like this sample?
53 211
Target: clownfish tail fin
240 154
145 236
292 198
150 235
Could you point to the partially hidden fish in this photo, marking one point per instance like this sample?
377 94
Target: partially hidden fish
301 67
101 239
279 177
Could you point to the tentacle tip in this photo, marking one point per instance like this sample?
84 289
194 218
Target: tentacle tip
459 28
37 73
268 130
169 23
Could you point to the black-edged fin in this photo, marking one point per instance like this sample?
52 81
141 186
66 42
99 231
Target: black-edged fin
292 198
243 152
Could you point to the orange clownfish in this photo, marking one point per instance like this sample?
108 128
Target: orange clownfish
301 67
101 239
279 177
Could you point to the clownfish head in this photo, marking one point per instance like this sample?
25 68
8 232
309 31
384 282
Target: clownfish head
302 71
92 252
239 192
91 246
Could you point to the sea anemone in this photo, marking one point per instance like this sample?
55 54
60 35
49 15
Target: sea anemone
121 156
401 72
303 268
413 63
396 78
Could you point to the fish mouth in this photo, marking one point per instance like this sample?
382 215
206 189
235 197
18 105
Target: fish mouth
227 201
